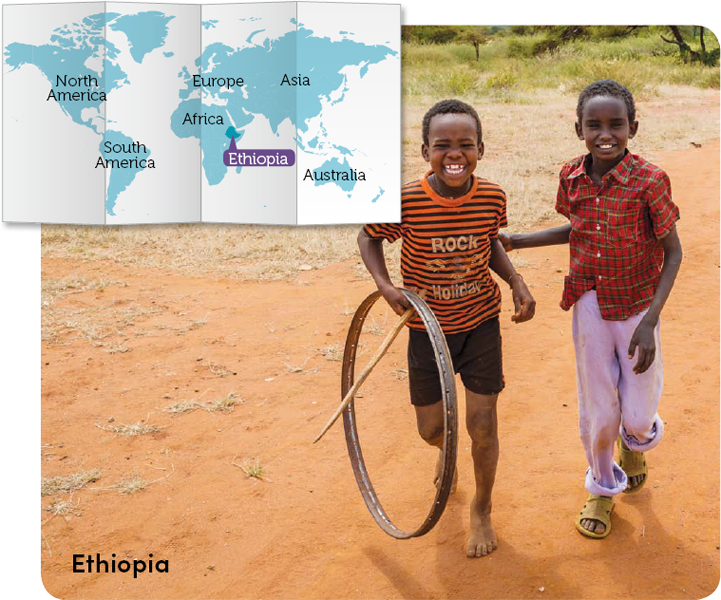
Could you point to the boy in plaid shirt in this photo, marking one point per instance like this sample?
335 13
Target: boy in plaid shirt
625 254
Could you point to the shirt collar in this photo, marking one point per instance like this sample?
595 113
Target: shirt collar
621 172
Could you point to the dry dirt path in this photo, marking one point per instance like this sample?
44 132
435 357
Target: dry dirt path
304 532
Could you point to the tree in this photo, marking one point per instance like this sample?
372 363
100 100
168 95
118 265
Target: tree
429 34
475 35
688 54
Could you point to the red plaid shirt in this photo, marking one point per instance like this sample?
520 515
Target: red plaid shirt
615 233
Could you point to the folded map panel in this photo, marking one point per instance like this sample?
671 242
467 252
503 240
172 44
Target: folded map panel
284 113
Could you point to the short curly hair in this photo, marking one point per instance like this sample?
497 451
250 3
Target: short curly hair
609 88
450 107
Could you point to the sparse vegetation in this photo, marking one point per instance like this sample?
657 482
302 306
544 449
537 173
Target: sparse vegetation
295 368
63 507
132 484
375 327
332 352
224 404
139 428
400 374
95 324
52 289
66 484
183 407
347 310
220 370
252 468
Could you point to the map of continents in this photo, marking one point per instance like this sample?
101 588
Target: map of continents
261 65
79 50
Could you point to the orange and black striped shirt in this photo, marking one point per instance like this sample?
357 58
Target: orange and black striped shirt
447 248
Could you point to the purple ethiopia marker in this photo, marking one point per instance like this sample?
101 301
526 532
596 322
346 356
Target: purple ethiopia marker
233 157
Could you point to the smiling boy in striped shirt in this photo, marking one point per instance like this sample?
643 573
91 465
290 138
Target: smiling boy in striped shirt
449 224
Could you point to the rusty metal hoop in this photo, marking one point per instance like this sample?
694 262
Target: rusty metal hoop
450 417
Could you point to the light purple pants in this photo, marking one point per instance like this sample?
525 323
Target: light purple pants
611 397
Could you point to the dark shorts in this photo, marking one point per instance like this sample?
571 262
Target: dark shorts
476 355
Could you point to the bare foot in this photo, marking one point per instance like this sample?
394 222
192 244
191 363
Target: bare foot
483 538
439 469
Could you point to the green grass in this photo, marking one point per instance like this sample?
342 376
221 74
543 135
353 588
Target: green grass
514 62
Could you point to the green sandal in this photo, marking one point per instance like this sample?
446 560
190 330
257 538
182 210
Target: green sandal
633 464
598 508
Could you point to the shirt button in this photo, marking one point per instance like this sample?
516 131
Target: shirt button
598 255
600 277
598 200
598 227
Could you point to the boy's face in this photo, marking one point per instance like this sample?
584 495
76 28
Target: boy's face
605 128
453 151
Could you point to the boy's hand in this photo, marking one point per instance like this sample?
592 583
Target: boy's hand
507 240
523 302
395 298
644 340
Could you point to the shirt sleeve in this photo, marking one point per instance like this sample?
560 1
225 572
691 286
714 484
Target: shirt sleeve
385 231
562 203
501 220
662 210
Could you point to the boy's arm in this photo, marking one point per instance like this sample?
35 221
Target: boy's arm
371 250
523 302
643 336
545 237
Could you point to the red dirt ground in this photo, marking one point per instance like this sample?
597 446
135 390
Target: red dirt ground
304 531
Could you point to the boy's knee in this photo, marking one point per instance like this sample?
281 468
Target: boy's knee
482 426
431 433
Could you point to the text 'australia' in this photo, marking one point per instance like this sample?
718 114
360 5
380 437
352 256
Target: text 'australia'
333 175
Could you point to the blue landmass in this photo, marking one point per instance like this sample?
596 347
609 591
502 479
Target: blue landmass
210 24
382 191
120 178
70 47
145 31
334 164
168 54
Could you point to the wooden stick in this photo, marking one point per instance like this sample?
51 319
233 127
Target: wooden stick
405 317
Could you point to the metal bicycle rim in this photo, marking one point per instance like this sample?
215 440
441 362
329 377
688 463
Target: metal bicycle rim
450 417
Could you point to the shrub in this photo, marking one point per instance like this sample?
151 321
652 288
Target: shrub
503 80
